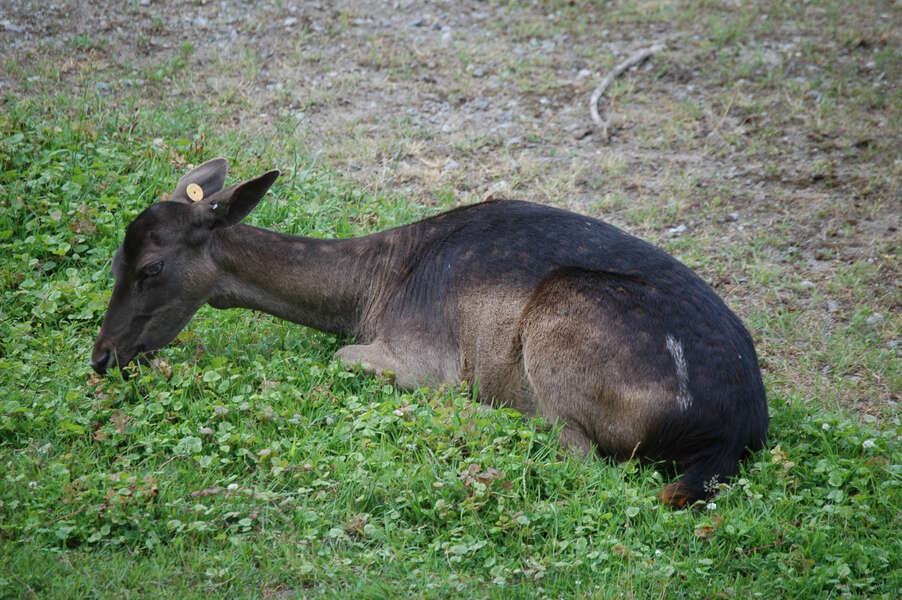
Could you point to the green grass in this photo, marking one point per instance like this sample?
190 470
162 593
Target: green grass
262 469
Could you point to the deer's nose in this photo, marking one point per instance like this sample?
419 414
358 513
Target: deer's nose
100 361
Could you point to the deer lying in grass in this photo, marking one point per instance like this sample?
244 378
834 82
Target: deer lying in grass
545 310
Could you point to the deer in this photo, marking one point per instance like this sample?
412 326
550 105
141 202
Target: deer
550 312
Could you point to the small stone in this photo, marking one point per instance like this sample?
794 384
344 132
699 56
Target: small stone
833 306
676 230
12 27
451 164
875 319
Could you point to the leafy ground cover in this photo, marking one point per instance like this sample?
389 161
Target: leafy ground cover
249 464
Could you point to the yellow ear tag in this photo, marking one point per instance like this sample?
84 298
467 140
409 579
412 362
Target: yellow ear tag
194 192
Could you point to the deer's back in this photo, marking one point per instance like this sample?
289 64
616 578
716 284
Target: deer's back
512 246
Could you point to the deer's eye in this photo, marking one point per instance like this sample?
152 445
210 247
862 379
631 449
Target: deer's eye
152 269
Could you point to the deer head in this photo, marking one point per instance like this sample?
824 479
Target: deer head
163 270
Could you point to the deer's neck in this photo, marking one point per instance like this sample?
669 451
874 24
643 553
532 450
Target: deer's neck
329 285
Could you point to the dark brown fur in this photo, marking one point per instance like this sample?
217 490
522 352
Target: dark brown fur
544 310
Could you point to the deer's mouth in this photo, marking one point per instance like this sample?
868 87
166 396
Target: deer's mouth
105 359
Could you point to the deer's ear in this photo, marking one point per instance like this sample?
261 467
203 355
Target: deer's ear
231 205
201 182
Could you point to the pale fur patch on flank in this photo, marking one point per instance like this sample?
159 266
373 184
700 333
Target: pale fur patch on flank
675 347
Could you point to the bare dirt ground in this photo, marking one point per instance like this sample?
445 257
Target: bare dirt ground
761 145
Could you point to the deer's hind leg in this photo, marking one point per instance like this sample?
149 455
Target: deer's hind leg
602 360
588 371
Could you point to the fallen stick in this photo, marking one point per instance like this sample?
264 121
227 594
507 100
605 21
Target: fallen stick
632 61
